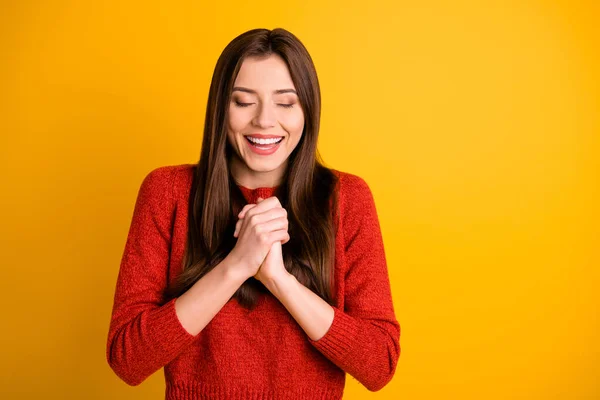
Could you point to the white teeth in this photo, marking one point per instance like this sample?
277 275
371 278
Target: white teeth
264 141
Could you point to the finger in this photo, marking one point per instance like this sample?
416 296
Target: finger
281 235
257 220
279 223
266 204
241 215
245 209
238 227
248 206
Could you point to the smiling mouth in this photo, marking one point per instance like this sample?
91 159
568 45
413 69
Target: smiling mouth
263 146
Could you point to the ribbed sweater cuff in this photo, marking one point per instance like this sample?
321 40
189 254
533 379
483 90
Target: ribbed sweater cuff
170 336
342 337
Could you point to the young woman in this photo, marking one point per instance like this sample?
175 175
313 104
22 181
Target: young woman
257 273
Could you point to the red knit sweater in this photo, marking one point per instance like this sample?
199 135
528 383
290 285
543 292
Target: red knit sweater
263 354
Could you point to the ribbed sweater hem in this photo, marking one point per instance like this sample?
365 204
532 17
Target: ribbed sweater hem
191 390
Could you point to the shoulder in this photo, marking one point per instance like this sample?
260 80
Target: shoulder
353 188
356 205
163 183
171 173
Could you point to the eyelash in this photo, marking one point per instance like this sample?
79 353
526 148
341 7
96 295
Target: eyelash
237 103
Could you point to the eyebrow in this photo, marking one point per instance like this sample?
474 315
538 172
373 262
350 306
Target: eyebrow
278 91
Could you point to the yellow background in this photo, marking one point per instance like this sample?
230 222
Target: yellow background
475 123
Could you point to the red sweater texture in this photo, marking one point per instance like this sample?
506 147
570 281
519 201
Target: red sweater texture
260 354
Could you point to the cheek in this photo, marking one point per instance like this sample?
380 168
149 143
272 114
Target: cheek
293 122
237 120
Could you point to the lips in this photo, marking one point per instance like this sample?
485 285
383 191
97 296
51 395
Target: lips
261 136
264 149
260 144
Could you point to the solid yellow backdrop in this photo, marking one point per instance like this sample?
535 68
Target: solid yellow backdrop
475 123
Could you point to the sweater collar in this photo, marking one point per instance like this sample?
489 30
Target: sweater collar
252 195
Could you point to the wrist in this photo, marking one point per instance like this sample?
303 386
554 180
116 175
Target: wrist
234 269
280 284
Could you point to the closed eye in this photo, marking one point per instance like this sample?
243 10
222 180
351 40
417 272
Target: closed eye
237 103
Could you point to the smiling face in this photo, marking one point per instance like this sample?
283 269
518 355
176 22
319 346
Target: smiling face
263 103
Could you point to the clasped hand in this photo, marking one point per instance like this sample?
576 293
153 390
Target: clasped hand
265 224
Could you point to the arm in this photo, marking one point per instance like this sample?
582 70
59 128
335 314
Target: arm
145 333
199 305
363 338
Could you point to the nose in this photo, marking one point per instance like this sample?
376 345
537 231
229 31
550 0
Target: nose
265 116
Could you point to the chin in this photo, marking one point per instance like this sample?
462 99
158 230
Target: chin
264 166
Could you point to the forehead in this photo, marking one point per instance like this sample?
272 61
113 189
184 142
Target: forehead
264 74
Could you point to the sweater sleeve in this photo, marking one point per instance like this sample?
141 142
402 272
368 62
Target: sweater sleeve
145 334
364 338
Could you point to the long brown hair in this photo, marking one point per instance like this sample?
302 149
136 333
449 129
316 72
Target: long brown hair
308 190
